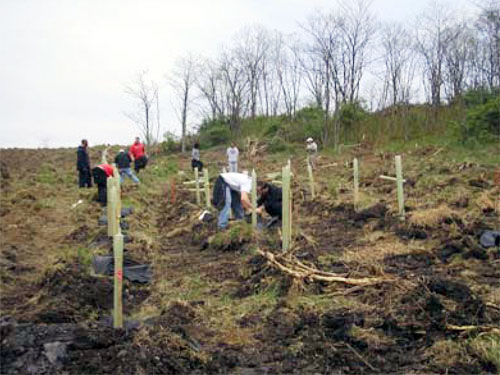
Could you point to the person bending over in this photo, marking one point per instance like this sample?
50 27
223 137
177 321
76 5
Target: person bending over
270 199
232 191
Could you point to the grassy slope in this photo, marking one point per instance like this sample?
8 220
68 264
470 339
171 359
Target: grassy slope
234 305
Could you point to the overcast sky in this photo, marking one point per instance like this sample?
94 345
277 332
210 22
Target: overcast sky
64 64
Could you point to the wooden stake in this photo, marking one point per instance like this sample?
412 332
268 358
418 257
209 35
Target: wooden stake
389 178
286 209
254 199
311 180
356 183
399 176
113 219
118 281
116 179
207 189
196 177
109 209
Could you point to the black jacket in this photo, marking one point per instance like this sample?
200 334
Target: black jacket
272 201
82 159
123 160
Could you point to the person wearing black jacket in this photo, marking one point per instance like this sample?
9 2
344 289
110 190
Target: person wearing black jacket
270 199
123 161
83 165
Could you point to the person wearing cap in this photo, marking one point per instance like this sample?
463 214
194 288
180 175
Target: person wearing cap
122 161
312 150
83 165
232 157
232 191
138 154
101 174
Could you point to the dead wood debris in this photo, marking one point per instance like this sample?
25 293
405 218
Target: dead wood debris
298 270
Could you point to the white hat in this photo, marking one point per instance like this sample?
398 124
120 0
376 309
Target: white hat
122 150
309 140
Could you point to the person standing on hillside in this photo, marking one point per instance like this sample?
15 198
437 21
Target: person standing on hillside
232 157
83 165
195 158
231 191
312 150
123 161
138 153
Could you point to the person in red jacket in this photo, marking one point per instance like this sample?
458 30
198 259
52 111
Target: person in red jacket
101 174
138 153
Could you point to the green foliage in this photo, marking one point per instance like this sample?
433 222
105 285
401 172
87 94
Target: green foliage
164 169
170 144
475 97
308 122
277 144
213 133
261 126
47 174
351 113
482 121
485 118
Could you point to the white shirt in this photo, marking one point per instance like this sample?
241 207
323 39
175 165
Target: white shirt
232 154
312 147
238 181
196 154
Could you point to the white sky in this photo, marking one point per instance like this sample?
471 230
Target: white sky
64 64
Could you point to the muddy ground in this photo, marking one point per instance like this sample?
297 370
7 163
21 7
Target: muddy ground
215 306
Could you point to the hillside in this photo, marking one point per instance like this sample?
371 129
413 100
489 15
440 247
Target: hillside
215 305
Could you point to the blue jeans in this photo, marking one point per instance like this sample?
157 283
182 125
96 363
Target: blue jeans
233 166
128 172
233 201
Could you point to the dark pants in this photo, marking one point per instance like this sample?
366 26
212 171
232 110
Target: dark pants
100 180
84 178
196 164
140 163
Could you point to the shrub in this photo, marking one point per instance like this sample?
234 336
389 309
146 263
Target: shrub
308 122
214 132
277 144
170 144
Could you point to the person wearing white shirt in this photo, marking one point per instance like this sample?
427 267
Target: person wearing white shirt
232 157
237 196
312 150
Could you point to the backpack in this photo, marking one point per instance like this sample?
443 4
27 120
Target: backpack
219 193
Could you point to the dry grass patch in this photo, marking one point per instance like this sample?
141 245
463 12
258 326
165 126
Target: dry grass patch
447 353
487 347
376 252
431 217
373 337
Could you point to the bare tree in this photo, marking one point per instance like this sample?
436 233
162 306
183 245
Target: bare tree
182 82
432 37
210 84
251 49
286 58
456 59
399 63
146 93
356 30
488 26
235 89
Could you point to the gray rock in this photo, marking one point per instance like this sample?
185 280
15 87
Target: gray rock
55 352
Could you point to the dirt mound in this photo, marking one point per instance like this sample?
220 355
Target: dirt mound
70 294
